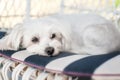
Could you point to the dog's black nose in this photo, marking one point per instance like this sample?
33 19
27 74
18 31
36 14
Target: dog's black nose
49 50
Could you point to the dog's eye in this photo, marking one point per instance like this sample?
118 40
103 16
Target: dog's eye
53 36
35 39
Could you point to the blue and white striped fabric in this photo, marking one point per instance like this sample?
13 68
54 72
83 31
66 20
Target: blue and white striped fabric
86 67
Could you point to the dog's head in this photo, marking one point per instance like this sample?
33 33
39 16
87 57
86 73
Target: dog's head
44 37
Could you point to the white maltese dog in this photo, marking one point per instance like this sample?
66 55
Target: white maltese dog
78 33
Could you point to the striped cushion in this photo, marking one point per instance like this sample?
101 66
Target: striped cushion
86 67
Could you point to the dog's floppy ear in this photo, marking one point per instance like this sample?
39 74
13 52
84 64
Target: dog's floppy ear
66 41
13 40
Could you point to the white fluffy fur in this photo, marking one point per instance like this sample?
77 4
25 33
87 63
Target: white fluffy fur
78 33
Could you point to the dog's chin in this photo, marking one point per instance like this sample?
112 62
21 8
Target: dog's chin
41 52
45 54
56 53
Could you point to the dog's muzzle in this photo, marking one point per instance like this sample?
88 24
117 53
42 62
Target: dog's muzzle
49 51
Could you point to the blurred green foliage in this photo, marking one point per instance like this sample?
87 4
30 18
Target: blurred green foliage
117 3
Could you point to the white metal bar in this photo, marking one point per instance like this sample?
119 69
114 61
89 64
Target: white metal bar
28 8
62 7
